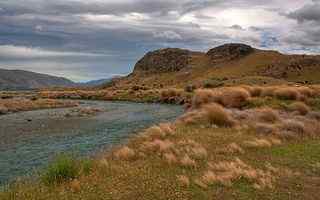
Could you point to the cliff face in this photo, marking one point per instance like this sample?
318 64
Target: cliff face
21 80
229 52
164 60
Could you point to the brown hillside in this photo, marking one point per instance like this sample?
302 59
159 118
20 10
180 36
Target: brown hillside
229 64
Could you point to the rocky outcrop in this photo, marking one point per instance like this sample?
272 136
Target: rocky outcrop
164 60
295 65
230 51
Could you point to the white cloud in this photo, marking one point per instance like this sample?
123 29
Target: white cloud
169 35
11 51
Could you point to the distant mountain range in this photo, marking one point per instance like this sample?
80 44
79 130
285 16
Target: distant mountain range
26 80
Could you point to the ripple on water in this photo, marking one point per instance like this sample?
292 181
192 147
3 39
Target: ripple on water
28 145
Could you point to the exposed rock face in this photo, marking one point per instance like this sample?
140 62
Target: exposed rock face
230 51
295 66
164 60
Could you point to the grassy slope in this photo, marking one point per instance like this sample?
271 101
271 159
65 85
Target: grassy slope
246 70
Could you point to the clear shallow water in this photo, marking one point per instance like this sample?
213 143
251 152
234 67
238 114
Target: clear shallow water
29 140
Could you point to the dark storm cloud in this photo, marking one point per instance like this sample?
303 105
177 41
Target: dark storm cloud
310 12
106 36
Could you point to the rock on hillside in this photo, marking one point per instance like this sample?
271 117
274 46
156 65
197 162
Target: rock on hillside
230 51
164 60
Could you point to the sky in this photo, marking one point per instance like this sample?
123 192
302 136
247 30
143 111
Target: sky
93 39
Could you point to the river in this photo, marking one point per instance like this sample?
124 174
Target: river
28 140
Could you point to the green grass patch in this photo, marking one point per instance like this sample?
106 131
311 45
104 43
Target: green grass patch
65 168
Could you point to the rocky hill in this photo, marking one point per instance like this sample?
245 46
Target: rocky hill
23 80
230 63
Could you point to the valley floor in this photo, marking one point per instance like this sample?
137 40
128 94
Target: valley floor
232 143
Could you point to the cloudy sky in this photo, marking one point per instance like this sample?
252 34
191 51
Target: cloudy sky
91 39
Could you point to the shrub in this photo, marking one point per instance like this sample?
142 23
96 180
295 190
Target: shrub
216 114
268 115
287 93
299 107
63 168
234 97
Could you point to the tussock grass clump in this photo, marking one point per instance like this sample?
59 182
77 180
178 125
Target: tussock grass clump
287 93
226 172
158 145
64 168
258 143
268 115
170 95
306 92
292 128
199 152
265 129
204 96
125 153
186 161
170 158
299 107
267 91
216 114
255 91
234 97
184 180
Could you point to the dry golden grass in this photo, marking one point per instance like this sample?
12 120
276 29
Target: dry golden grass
216 114
287 93
255 91
23 104
170 158
299 107
199 152
226 172
186 161
265 129
293 128
158 145
184 180
204 96
125 153
234 97
268 115
75 185
257 143
267 91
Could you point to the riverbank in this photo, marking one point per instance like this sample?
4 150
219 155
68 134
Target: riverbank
234 143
